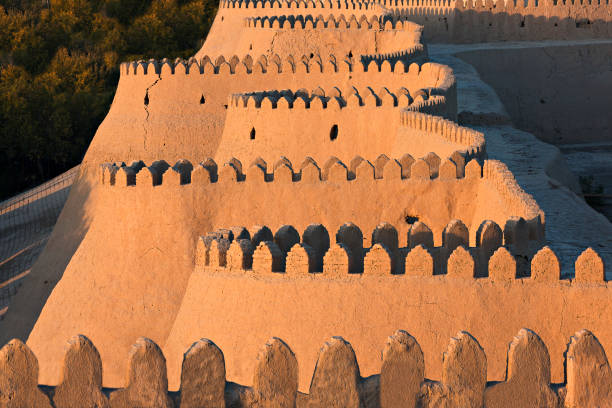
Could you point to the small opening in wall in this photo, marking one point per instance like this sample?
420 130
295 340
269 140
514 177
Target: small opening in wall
202 100
222 18
146 99
250 47
333 133
311 55
523 23
411 219
252 135
582 23
350 54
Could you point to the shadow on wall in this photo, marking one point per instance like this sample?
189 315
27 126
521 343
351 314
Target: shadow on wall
71 227
483 25
561 94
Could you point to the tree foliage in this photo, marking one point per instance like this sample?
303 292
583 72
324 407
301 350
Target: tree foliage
59 67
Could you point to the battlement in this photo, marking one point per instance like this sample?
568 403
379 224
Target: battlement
336 380
299 4
335 99
548 5
432 4
487 21
396 62
449 130
353 22
259 251
405 169
418 3
429 167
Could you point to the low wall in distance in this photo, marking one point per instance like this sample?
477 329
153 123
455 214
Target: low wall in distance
490 21
561 94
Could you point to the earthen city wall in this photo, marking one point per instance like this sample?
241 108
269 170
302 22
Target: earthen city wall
178 110
238 249
296 304
172 215
305 34
126 250
467 21
326 121
488 21
337 380
416 181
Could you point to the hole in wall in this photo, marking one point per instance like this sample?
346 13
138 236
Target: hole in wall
410 219
583 23
333 133
222 18
350 54
250 47
146 99
523 23
202 100
252 134
311 55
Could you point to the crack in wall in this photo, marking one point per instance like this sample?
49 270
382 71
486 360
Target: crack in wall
146 108
271 49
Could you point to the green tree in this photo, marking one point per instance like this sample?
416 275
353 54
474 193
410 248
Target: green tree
59 66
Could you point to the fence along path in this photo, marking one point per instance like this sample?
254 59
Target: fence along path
26 221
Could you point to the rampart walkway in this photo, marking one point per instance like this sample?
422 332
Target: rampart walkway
571 225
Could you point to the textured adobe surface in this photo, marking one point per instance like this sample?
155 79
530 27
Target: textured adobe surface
125 247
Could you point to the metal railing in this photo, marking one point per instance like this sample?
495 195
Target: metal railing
26 222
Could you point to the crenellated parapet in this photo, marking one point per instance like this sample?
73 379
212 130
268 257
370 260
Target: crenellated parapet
447 129
299 4
499 254
498 174
545 7
400 62
333 98
428 168
489 20
437 4
537 8
336 381
352 22
335 115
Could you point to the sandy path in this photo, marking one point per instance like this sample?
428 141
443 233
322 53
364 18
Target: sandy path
571 225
